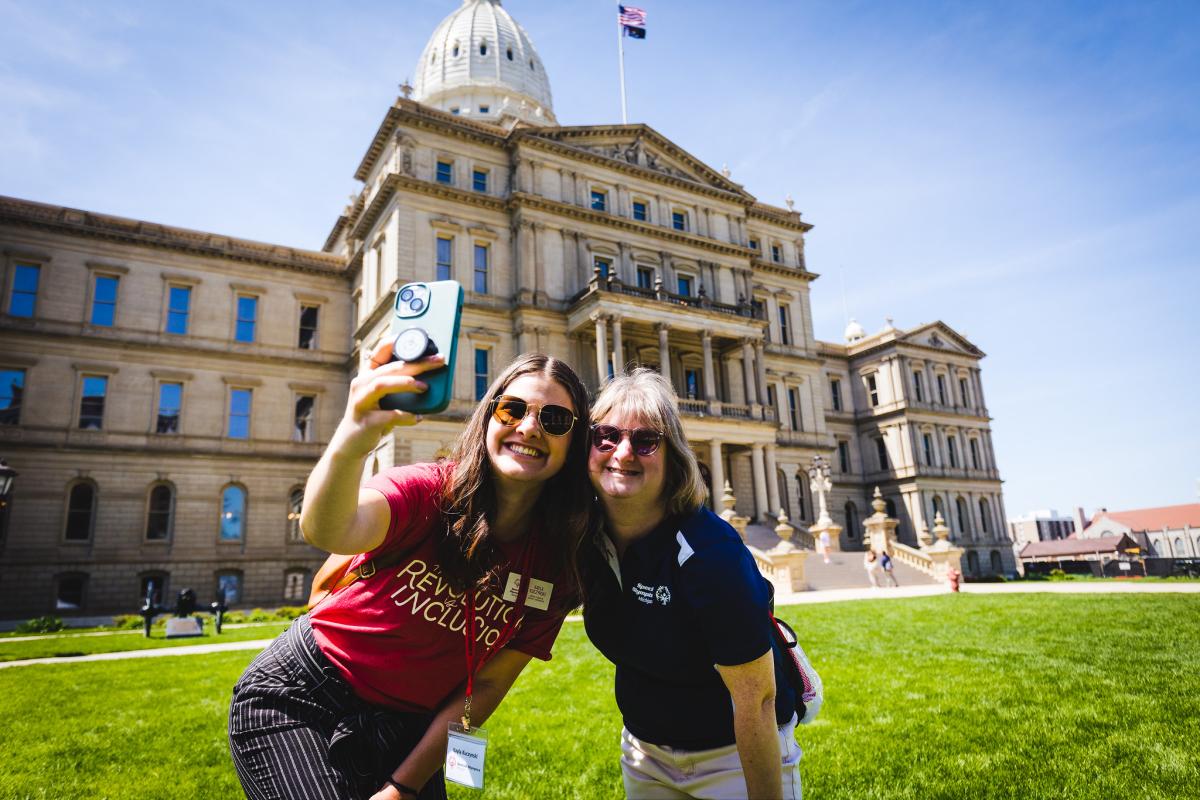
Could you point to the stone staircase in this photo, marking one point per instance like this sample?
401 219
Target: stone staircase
845 570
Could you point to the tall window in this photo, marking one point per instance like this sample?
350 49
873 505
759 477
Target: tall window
170 402
640 211
684 284
481 372
247 314
851 519
776 253
91 402
835 391
295 506
12 389
179 307
104 300
771 397
23 301
927 445
964 516
445 258
785 333
481 268
445 172
295 585
952 450
919 387
881 452
229 587
754 244
233 513
985 516
645 278
974 443
69 592
872 390
308 327
302 420
378 259
81 512
160 511
941 387
479 177
691 383
679 220
793 396
599 200
602 264
997 563
844 456
239 413
962 391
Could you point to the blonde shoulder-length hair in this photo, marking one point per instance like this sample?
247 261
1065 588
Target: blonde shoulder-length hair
646 396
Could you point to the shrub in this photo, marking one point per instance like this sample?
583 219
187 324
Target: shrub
1058 575
290 612
46 624
128 622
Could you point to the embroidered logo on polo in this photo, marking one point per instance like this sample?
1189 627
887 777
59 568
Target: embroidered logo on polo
648 594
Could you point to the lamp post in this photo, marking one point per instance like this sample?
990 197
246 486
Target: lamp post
818 481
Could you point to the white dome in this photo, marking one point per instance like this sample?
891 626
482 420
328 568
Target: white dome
480 63
854 331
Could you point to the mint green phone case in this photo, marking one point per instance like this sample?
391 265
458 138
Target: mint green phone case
438 318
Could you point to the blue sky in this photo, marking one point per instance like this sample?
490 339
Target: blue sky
1027 172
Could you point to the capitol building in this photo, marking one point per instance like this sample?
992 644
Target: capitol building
164 392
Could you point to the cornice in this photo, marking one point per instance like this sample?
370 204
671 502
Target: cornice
397 180
421 116
778 216
42 216
521 200
761 264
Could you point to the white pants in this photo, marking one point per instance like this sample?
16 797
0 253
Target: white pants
651 772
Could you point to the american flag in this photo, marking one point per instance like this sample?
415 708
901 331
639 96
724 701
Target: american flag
633 20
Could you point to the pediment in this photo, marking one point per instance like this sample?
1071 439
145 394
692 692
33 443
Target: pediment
640 146
940 336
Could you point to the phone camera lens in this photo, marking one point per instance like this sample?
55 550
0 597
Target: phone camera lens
417 304
406 295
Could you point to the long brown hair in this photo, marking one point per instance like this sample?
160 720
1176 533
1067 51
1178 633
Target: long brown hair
469 497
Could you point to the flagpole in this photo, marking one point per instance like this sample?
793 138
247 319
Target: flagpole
621 59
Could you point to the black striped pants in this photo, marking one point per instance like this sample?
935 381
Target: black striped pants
297 729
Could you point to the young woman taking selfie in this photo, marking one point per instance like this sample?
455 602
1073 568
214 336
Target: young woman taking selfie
462 579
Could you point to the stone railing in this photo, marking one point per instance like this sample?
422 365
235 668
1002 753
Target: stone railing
783 568
935 561
912 557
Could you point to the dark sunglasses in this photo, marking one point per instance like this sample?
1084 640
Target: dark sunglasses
644 441
555 420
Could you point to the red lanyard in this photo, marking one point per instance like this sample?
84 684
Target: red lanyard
506 633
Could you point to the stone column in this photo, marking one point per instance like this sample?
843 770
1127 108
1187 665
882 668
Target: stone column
772 481
618 350
664 352
537 239
525 266
761 502
748 373
717 468
624 270
585 265
710 383
760 364
601 348
665 271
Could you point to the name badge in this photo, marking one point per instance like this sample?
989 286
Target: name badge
537 597
465 754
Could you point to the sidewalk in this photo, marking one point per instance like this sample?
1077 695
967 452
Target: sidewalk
796 598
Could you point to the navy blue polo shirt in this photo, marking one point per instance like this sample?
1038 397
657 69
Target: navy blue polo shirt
689 596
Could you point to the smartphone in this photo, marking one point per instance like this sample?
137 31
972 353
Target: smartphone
425 323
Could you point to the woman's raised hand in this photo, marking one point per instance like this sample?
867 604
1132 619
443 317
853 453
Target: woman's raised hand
365 423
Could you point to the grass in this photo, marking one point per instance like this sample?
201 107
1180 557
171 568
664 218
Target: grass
74 644
981 696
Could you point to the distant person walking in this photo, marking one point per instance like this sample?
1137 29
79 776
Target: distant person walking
888 567
823 544
871 565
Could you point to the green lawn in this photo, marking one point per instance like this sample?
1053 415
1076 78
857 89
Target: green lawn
978 696
74 644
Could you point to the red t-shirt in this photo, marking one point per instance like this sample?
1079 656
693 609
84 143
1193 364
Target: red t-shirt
397 637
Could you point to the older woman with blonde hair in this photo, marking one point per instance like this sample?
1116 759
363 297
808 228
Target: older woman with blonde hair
676 602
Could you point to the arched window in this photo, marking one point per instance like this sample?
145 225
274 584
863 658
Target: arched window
964 517
483 48
802 496
851 520
1179 551
229 586
781 480
455 51
997 563
509 54
985 515
69 589
295 585
233 513
433 57
160 512
295 505
153 583
81 512
972 562
938 508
